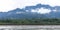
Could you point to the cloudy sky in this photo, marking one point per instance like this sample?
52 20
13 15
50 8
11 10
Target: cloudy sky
7 5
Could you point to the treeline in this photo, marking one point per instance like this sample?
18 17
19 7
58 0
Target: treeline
32 21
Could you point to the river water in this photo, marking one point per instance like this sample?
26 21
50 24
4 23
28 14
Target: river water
29 27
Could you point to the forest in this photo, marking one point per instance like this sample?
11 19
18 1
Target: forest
31 21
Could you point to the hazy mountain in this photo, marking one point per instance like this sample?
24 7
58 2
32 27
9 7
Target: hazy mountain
26 12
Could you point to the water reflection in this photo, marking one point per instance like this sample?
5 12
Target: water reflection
28 29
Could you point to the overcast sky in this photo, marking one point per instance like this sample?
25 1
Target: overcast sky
7 5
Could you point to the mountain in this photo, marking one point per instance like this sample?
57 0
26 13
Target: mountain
26 12
20 13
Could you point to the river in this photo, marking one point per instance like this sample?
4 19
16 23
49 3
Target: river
29 27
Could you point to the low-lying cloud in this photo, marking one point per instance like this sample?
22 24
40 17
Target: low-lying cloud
41 11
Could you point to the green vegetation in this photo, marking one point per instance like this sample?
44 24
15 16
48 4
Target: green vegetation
32 21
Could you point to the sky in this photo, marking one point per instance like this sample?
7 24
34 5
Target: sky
7 5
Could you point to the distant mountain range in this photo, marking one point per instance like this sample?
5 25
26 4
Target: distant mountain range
26 12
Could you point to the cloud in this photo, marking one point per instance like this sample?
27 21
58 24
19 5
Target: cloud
54 10
23 3
51 2
7 5
41 11
19 12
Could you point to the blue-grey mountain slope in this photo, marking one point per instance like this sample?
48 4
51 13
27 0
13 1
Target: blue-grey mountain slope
26 12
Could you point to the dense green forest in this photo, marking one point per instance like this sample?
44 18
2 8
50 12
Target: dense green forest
31 21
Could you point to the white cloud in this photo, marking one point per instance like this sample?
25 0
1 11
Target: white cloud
41 11
34 10
51 2
23 3
54 10
7 5
27 10
19 12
